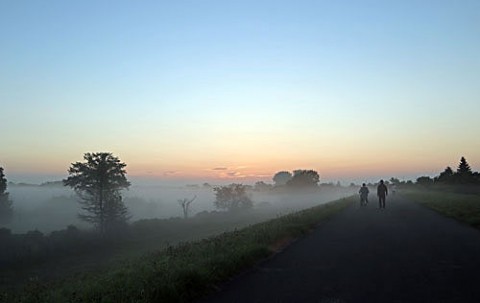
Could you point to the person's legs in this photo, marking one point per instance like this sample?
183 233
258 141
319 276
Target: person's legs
381 201
364 200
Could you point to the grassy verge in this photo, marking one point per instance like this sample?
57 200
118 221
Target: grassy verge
463 207
184 272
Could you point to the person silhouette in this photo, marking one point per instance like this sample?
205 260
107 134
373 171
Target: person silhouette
363 195
382 193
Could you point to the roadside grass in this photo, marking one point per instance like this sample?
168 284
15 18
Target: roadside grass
186 271
463 207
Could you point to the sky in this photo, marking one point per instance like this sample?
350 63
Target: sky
238 90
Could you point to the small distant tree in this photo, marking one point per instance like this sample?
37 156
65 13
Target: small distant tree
185 204
262 186
425 181
281 178
6 210
394 181
304 178
98 183
232 197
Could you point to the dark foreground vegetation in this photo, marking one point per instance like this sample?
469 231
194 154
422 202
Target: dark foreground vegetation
463 179
455 194
460 206
183 272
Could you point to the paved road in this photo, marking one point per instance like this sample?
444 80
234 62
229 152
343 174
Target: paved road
405 253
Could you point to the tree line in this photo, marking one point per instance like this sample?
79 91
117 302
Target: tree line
462 176
99 180
235 197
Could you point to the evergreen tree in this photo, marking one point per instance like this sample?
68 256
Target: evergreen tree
464 167
98 182
6 210
464 172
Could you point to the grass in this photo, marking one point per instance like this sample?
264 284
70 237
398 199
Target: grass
186 271
462 207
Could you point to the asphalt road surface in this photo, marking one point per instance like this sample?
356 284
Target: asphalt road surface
404 253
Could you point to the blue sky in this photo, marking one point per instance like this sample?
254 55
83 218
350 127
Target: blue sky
350 88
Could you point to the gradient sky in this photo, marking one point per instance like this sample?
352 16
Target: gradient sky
204 90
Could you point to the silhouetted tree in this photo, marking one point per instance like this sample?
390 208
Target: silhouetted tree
464 172
98 182
232 197
425 181
464 167
6 210
185 204
281 178
447 176
304 178
394 181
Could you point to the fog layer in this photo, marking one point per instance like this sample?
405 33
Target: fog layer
49 208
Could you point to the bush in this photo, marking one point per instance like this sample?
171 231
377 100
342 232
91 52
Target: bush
232 197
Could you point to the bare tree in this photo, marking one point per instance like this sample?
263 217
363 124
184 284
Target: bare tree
185 204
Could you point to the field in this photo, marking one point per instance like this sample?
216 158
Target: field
179 273
463 207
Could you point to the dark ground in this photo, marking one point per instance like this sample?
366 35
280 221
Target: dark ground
404 253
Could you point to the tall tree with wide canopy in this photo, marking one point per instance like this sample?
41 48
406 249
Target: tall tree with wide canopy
98 181
6 210
281 178
304 178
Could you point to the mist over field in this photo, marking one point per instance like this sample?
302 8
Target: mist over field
50 208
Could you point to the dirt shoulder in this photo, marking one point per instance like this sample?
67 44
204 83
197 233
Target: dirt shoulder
404 253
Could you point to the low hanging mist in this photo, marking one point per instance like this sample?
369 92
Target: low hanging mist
52 206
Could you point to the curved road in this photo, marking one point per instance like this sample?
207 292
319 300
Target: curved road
404 253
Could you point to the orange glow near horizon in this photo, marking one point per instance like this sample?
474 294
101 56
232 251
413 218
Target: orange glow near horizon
256 158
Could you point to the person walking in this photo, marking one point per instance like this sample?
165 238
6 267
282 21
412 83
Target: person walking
363 195
382 193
